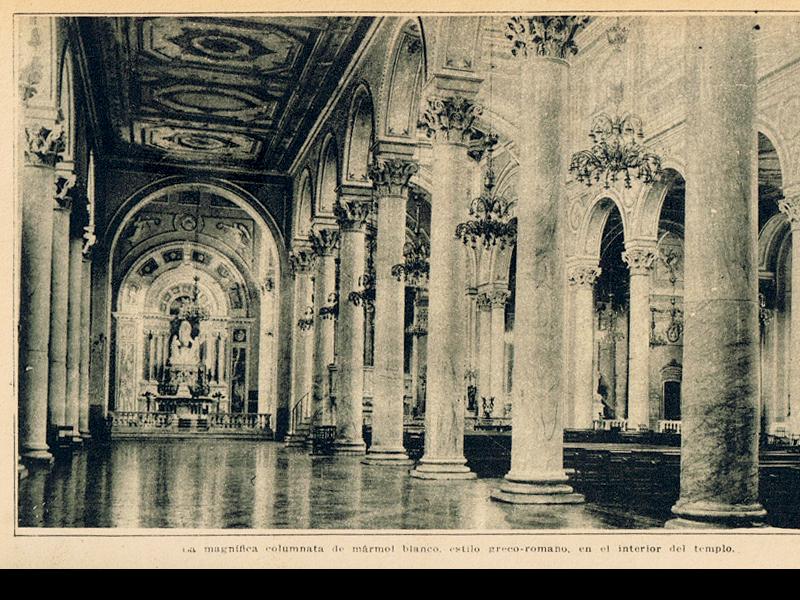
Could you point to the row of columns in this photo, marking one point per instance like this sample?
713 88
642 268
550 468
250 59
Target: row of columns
719 456
55 298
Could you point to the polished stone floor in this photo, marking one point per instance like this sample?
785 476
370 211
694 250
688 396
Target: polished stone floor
252 484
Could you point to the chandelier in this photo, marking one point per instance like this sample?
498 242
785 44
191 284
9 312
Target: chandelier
415 267
615 150
306 322
192 311
491 222
331 309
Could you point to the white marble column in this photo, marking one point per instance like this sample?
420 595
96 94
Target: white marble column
498 344
719 437
57 373
483 306
390 176
352 211
640 257
790 206
74 337
43 142
86 301
420 356
325 242
301 262
581 277
449 121
537 473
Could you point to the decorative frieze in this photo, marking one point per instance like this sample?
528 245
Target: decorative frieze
325 241
301 261
551 36
352 213
583 275
450 118
65 181
639 260
44 145
391 176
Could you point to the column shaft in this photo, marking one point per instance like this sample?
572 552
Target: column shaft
484 353
57 382
86 297
74 336
387 403
719 441
537 473
350 331
581 279
447 313
36 185
324 328
498 344
640 262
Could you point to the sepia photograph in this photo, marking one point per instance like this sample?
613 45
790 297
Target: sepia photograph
361 272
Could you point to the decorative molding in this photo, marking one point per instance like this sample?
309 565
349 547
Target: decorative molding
583 275
639 260
790 206
391 176
65 181
44 145
450 118
552 37
352 213
499 298
302 261
325 241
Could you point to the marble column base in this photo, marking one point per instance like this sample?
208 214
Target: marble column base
37 456
442 469
388 457
549 488
22 472
346 447
713 515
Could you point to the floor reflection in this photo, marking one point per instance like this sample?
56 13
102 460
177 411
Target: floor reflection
244 484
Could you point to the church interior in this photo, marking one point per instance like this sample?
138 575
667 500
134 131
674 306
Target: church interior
422 272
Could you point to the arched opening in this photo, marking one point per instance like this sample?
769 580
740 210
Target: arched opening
194 292
305 202
666 307
328 178
612 292
775 295
361 137
406 79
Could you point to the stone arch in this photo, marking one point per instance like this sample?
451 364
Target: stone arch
402 82
327 177
770 241
590 235
304 206
360 135
65 90
776 139
651 199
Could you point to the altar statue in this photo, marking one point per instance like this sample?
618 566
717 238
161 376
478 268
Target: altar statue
183 348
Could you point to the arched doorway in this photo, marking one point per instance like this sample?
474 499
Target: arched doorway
194 289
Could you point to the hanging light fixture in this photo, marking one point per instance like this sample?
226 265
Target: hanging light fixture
490 222
416 253
616 140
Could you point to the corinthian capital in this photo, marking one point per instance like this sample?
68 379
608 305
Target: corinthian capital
391 176
352 213
499 298
583 275
301 261
451 118
483 302
790 206
325 241
640 259
44 145
544 36
65 181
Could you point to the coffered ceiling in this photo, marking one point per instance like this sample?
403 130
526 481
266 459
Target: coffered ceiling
223 92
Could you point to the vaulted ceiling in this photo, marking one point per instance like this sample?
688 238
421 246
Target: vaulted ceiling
225 92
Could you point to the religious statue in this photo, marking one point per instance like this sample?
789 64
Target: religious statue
183 348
